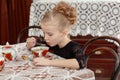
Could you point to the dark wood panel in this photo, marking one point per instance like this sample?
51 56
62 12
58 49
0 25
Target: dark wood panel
102 68
102 64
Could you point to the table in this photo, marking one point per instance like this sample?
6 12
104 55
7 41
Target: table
25 70
95 17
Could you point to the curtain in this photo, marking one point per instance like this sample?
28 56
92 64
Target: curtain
14 16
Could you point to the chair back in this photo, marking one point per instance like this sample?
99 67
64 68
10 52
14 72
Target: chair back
97 51
21 36
117 73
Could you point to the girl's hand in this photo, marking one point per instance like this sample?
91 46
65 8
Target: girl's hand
30 42
41 61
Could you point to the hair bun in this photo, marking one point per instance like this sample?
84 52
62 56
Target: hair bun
68 11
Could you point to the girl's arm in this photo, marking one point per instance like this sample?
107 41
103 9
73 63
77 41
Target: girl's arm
69 63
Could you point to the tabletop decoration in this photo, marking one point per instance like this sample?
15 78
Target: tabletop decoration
22 78
61 72
6 71
16 63
4 77
20 69
56 78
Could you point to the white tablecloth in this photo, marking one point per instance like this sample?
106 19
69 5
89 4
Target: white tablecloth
25 70
95 17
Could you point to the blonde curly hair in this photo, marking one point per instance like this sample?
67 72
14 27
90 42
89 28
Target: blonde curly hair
63 13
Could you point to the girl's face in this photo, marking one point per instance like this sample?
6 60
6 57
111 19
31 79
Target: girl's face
53 36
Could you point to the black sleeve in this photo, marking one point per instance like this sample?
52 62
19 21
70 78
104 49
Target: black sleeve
80 56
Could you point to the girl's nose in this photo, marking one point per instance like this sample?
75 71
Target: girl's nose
46 37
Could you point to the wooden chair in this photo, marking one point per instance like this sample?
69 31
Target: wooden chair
24 34
117 73
102 52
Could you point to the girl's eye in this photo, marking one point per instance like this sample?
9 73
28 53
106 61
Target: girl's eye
50 34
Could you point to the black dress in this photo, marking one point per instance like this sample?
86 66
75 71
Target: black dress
70 51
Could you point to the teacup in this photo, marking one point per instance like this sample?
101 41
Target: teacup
39 51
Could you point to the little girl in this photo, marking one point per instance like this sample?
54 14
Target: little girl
56 25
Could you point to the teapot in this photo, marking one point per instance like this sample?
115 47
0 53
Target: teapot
8 52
